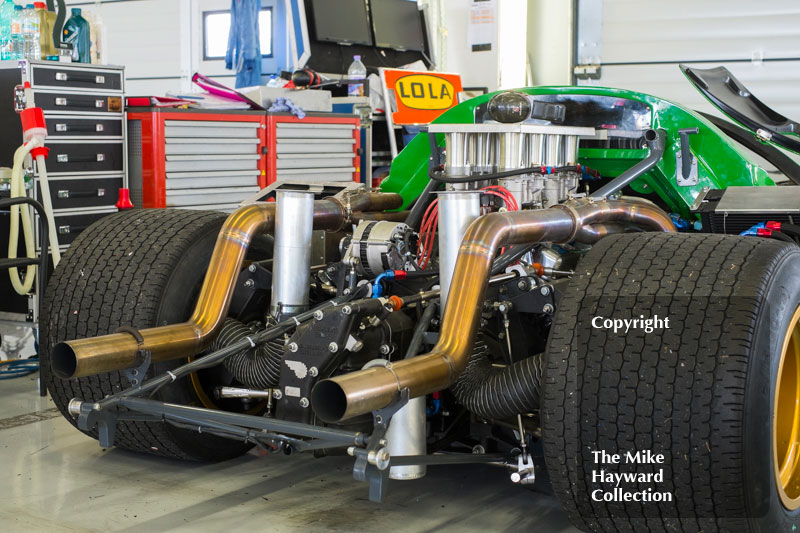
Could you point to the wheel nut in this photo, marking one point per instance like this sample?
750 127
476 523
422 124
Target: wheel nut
292 346
333 347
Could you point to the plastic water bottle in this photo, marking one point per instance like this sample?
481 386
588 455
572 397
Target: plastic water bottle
30 32
76 31
6 12
17 40
97 32
356 71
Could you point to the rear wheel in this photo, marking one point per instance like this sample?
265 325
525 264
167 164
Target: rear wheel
715 391
139 268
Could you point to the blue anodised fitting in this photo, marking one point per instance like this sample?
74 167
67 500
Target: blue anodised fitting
377 287
681 224
433 409
587 176
754 230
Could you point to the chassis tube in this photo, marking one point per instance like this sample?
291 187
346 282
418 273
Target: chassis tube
656 141
200 415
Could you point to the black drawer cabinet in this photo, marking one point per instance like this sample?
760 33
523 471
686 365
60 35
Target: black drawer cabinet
64 77
83 192
64 126
85 157
86 136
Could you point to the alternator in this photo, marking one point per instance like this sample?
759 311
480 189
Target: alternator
378 246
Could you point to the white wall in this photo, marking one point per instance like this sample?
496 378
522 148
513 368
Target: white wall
759 42
477 69
550 41
503 66
150 38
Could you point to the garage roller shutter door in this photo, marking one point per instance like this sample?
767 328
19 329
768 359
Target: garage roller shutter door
639 44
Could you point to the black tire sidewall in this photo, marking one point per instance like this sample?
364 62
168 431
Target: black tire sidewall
781 299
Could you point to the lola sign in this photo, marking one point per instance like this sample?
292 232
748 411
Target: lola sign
421 96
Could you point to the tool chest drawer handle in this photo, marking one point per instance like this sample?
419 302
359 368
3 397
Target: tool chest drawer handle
65 158
63 76
66 229
91 128
64 102
66 193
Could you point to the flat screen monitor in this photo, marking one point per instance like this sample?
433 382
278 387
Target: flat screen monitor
341 21
397 24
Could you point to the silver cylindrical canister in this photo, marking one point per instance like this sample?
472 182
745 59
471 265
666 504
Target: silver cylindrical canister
511 151
456 154
554 152
535 149
570 148
481 152
406 434
457 209
291 268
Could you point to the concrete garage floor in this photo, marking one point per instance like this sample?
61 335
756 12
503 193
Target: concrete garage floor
56 479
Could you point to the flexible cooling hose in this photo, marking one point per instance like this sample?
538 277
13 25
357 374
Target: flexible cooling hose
18 190
258 367
47 202
499 393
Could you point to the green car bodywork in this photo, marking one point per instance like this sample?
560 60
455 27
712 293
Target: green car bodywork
721 162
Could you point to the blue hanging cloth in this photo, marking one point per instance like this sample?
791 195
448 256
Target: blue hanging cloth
244 48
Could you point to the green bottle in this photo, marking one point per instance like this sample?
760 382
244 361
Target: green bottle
76 31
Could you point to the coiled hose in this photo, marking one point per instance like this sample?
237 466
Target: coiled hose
23 212
498 393
258 367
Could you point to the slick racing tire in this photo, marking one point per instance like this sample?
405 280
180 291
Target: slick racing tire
139 268
701 412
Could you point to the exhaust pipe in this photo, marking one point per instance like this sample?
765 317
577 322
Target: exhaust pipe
353 394
117 351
